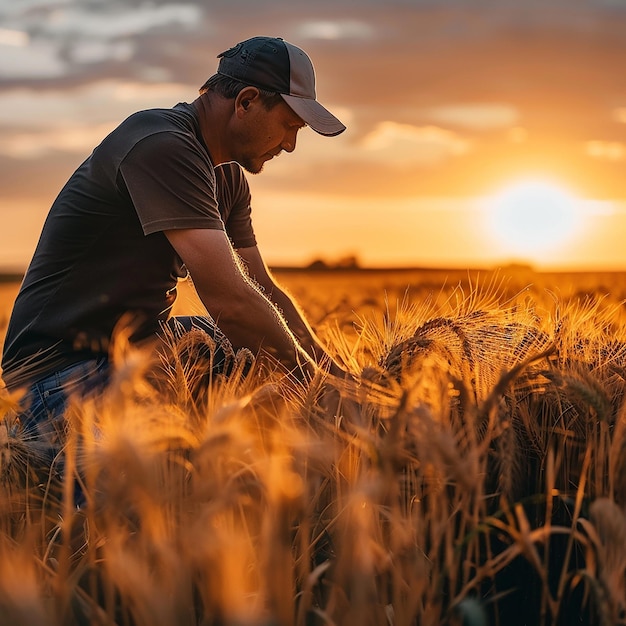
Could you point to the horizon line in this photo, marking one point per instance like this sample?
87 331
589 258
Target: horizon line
12 274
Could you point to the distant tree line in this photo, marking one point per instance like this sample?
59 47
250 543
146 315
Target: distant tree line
350 262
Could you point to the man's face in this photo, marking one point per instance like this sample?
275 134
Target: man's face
264 134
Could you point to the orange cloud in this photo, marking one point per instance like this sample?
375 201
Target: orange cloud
607 150
407 144
28 145
475 116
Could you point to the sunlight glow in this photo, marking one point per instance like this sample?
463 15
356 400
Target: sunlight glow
533 216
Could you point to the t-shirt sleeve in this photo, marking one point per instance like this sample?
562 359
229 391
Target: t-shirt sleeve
171 184
233 194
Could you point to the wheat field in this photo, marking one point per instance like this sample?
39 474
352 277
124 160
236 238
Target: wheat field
475 474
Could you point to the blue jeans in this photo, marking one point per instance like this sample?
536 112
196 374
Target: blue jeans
45 401
43 407
44 404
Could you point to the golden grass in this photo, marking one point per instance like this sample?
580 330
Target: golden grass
475 476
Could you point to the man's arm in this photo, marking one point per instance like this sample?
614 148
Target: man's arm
257 269
241 311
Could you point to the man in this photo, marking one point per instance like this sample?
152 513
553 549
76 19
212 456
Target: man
161 196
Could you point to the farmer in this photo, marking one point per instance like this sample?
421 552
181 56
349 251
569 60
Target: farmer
164 196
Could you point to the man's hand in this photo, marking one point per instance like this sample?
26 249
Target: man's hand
241 311
290 312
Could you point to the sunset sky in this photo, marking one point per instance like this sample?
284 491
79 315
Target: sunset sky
480 132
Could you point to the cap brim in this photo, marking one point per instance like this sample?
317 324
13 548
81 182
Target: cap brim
315 115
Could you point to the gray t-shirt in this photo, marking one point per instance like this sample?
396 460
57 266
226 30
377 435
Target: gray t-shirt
103 259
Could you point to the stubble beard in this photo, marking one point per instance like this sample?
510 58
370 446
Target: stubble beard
252 168
251 165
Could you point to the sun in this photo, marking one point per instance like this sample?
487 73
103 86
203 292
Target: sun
532 217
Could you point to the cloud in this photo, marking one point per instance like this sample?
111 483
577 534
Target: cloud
102 101
99 51
45 40
606 150
37 60
340 29
9 37
113 20
619 114
417 78
476 116
28 145
74 122
404 144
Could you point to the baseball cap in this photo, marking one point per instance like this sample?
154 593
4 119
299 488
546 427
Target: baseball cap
273 64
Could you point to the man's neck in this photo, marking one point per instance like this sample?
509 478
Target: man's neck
213 113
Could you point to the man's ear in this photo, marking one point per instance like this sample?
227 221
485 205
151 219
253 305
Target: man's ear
245 99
